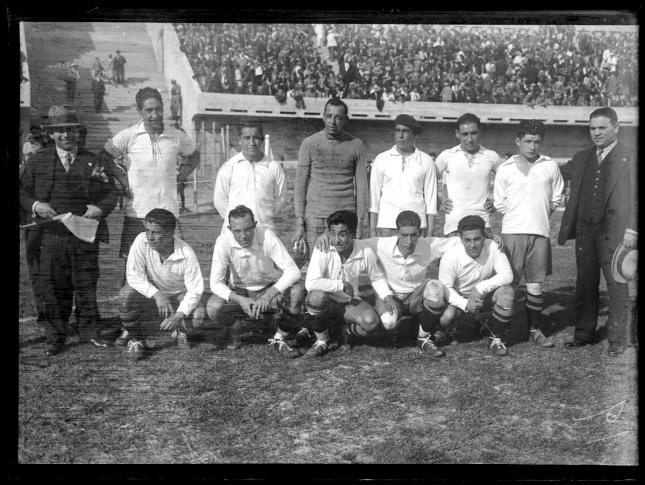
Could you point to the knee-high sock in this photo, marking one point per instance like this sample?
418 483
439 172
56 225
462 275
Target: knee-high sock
533 306
428 321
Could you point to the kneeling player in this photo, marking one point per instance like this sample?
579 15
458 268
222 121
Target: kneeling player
162 271
476 275
332 282
257 290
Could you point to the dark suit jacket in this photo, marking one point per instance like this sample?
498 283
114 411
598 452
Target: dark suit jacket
37 184
621 205
349 75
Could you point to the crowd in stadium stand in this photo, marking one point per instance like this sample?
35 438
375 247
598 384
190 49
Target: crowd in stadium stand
540 66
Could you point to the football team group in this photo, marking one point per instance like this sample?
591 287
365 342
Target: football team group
356 220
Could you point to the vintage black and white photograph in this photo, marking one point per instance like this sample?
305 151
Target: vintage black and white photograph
328 239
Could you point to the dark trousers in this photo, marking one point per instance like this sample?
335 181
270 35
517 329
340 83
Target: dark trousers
594 251
98 101
33 237
68 268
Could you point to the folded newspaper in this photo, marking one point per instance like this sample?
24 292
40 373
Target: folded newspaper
82 227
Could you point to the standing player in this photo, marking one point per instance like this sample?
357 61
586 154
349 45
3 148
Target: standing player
467 169
332 283
476 275
331 175
601 213
151 149
528 188
402 178
252 179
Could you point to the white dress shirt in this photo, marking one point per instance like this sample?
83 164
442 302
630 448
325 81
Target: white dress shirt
258 185
526 193
327 272
467 179
403 274
152 167
179 273
461 273
603 152
254 267
399 183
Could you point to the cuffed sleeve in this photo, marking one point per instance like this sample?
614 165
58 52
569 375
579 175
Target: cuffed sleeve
194 282
135 270
315 279
282 259
503 272
219 265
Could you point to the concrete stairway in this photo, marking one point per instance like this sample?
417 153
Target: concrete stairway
51 42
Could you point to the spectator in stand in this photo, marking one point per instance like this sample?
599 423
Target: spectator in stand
332 43
118 67
385 53
98 91
110 69
175 101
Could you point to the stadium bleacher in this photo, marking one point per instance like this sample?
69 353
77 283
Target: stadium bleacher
544 65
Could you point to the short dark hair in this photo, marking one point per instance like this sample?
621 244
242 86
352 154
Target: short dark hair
606 112
336 102
470 223
349 218
249 124
468 118
163 217
146 93
239 212
408 218
530 127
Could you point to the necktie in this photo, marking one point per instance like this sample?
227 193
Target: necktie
67 162
599 156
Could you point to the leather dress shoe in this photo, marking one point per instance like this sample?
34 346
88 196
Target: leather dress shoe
615 349
54 349
575 343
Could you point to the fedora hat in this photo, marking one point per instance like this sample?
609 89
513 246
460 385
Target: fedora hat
624 264
61 116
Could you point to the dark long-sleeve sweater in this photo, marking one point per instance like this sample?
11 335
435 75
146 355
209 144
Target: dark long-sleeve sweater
331 176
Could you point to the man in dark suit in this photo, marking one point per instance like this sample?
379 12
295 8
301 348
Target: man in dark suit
349 72
600 214
61 179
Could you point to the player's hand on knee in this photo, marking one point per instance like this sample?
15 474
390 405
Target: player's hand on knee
247 305
391 305
172 322
163 305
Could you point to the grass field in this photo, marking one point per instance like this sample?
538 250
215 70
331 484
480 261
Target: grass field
379 404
